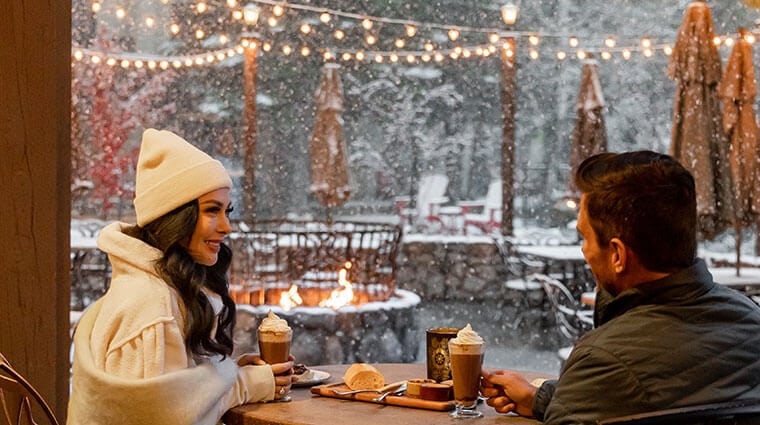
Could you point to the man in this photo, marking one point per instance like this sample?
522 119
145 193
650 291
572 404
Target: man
665 334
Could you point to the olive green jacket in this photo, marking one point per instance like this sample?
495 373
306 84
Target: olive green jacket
677 341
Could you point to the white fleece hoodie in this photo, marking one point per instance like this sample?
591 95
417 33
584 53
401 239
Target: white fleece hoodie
131 365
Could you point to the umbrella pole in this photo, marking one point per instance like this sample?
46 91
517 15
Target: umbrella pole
738 246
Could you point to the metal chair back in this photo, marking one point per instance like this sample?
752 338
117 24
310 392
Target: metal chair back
736 412
573 320
18 399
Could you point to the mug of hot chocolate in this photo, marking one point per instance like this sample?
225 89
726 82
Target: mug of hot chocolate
274 341
466 356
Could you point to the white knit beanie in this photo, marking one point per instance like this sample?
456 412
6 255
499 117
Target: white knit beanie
170 173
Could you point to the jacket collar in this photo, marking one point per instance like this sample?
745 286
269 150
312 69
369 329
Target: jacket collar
683 285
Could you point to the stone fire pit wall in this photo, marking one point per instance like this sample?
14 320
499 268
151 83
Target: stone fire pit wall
383 331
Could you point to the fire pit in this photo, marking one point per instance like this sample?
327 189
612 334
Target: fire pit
334 283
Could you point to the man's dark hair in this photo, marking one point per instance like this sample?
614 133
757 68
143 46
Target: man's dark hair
647 200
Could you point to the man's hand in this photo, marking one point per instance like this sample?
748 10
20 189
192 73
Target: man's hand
508 391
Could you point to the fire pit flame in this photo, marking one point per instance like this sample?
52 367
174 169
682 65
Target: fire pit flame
291 298
343 295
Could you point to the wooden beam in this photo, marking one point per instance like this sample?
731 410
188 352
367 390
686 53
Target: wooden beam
35 86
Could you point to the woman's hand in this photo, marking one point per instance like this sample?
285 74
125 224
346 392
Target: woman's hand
283 372
508 391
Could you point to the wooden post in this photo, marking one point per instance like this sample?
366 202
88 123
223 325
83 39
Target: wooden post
508 106
35 168
249 131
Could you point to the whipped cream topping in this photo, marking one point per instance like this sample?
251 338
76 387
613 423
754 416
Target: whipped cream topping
273 323
466 336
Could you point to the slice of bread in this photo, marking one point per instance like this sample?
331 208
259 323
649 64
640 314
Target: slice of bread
361 376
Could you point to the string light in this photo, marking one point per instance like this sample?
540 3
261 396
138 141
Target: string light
272 21
346 56
393 57
410 29
287 50
379 58
749 38
266 46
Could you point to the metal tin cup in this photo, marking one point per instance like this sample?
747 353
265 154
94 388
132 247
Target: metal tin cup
438 359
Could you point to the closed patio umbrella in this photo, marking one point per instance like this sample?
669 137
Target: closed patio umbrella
329 168
589 136
737 92
698 141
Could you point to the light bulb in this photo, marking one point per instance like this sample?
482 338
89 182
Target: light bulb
453 34
339 34
411 30
609 42
324 17
201 7
366 24
561 55
305 28
533 40
399 43
278 10
573 41
371 39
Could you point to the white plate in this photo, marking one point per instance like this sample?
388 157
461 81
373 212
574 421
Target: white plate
312 377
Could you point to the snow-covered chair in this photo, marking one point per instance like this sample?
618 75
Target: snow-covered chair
485 213
430 196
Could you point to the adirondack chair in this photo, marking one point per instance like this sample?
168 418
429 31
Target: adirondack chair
485 213
430 196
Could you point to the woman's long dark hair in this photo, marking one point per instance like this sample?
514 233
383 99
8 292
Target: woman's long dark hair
170 233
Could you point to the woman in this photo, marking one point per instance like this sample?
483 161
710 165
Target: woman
156 348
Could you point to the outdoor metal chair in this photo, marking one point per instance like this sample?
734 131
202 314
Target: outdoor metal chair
530 297
571 317
737 412
19 400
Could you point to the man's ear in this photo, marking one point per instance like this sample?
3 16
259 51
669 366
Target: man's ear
619 258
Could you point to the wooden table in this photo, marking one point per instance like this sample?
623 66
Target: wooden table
306 409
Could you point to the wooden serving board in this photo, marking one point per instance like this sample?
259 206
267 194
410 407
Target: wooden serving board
404 401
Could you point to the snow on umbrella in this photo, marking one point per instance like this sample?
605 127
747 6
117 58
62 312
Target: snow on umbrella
329 169
698 141
737 91
589 137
